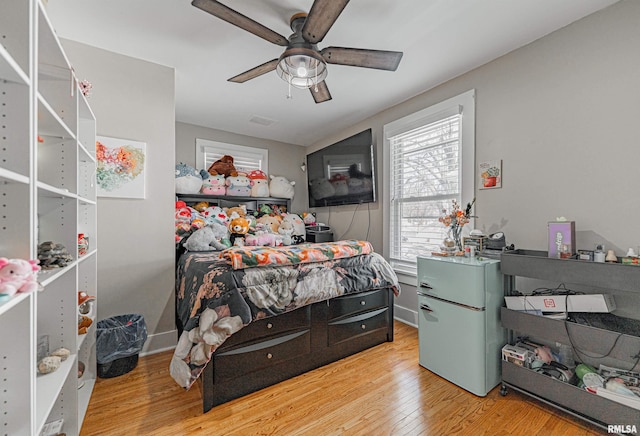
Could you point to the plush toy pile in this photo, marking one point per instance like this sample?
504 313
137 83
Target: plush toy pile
18 275
203 227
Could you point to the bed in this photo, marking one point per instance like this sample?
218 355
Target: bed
250 317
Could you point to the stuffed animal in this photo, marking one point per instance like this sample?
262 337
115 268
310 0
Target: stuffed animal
215 214
188 179
182 220
261 239
201 206
213 184
339 183
18 275
321 188
299 231
272 223
239 211
223 166
286 230
259 183
238 186
281 187
356 186
308 218
213 236
238 228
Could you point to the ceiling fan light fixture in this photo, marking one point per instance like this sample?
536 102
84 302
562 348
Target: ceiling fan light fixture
301 67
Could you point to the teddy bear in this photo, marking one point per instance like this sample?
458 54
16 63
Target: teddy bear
213 184
188 179
299 230
239 211
286 230
309 218
18 275
259 183
213 236
321 188
238 228
238 186
223 166
281 187
271 222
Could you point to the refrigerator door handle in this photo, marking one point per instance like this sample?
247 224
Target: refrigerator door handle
425 308
466 306
425 285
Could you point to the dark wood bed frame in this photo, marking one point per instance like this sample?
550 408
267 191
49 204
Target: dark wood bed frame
274 349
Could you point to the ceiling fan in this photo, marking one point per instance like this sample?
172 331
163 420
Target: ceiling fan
302 64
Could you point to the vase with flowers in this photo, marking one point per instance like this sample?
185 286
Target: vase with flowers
455 221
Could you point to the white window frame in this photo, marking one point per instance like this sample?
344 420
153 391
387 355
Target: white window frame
239 152
465 105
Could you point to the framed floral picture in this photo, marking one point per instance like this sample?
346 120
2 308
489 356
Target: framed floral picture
490 174
120 167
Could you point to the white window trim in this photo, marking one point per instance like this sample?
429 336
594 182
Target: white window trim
466 101
230 149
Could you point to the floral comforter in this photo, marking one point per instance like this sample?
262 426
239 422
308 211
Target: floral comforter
214 300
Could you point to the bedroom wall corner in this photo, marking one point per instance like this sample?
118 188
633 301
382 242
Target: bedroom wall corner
135 99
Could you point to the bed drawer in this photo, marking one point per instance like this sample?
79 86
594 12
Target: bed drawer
358 325
271 352
352 304
295 320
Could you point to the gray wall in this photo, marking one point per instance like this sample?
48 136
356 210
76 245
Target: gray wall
562 114
559 112
134 99
284 159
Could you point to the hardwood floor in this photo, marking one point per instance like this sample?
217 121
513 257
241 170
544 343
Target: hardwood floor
381 391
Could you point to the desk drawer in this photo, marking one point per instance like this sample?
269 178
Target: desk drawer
295 320
358 325
354 303
271 352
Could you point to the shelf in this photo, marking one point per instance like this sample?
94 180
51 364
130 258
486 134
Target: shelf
599 342
47 388
10 70
14 44
572 399
232 199
536 265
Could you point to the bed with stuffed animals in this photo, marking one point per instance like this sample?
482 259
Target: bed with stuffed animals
249 317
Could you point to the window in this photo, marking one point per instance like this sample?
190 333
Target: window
430 162
244 158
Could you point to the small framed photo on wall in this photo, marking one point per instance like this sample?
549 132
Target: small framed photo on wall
490 174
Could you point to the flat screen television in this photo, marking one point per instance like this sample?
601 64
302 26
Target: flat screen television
343 173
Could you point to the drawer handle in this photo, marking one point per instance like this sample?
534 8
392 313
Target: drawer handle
363 327
363 303
426 308
269 355
269 325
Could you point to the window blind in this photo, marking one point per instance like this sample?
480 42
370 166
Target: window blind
425 178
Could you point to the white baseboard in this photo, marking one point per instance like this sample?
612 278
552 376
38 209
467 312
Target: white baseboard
405 315
160 342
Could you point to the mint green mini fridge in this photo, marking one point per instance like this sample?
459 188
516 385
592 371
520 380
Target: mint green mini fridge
459 330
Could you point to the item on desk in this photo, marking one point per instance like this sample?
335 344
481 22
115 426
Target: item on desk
585 255
601 303
611 257
631 253
561 232
598 254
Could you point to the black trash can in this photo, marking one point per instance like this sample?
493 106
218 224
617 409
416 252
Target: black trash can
119 340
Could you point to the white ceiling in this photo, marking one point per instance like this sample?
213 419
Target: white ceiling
441 39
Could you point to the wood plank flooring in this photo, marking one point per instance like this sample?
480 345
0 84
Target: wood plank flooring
381 391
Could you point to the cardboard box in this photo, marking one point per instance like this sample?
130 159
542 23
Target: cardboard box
556 303
561 233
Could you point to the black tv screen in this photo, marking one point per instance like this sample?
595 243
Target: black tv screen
343 173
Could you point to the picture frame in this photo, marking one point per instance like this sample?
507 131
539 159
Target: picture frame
490 174
120 167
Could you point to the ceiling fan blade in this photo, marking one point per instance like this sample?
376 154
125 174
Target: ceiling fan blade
321 17
255 72
322 94
358 57
227 14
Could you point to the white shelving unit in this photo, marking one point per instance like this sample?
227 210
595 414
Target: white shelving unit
47 193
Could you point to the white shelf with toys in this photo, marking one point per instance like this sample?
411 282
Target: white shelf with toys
48 195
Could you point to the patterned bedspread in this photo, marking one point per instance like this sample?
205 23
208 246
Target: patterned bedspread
214 300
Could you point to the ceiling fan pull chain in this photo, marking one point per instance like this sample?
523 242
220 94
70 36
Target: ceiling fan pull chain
289 93
316 79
